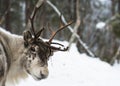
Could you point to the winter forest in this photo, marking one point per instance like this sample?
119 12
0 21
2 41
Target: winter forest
95 32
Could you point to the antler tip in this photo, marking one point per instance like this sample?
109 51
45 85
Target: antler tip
65 49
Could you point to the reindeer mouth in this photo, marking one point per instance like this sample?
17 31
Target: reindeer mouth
42 76
39 78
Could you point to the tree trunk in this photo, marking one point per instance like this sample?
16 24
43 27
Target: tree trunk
119 7
27 11
113 7
7 16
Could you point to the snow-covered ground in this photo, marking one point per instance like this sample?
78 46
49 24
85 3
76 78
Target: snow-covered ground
74 69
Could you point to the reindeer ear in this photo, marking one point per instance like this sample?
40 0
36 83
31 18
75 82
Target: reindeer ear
27 37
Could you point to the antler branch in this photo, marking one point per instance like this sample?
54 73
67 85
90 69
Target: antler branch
61 28
36 8
70 28
36 35
56 48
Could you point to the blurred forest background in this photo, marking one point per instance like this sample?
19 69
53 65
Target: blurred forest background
97 23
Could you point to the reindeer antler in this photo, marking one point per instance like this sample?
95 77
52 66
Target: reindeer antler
36 8
36 35
54 34
61 28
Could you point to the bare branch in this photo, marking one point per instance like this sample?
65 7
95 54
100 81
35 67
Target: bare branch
3 17
77 24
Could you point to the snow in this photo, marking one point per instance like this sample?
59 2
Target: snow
103 0
73 69
100 25
107 2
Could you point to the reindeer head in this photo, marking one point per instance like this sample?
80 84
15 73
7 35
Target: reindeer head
39 51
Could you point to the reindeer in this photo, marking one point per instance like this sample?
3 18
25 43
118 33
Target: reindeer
27 54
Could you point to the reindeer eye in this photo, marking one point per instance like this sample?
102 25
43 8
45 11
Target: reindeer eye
33 49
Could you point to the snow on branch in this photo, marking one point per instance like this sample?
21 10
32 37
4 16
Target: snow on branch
70 28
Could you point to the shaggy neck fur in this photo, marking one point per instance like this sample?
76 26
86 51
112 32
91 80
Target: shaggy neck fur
15 49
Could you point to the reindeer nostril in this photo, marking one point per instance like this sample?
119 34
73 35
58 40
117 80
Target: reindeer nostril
43 76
